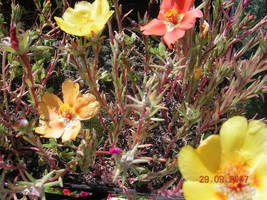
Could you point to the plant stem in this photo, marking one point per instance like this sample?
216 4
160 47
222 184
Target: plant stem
27 64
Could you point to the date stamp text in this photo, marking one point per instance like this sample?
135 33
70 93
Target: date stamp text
224 179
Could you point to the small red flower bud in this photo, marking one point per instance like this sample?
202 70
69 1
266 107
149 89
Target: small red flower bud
66 191
115 150
251 17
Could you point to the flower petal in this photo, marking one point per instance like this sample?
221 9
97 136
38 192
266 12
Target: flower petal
100 22
210 152
172 36
70 92
86 106
154 27
77 21
52 129
191 165
199 191
78 29
166 5
83 6
189 19
48 106
261 177
71 131
101 14
100 7
255 141
183 5
233 133
79 14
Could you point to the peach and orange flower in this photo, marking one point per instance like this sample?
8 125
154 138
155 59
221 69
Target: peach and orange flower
62 119
173 19
228 166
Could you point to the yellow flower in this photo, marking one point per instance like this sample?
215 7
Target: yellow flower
231 165
63 119
86 18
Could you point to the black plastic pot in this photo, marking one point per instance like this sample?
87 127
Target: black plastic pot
101 193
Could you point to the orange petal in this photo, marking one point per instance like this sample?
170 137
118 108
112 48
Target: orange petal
42 129
183 5
71 131
189 19
70 92
172 36
86 106
50 130
48 106
155 27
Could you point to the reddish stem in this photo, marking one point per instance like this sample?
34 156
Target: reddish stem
27 64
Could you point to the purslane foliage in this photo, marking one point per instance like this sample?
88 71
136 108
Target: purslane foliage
153 100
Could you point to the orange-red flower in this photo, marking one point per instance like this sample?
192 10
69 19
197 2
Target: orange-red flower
174 18
62 119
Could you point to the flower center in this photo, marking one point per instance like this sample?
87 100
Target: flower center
65 111
173 16
85 22
236 183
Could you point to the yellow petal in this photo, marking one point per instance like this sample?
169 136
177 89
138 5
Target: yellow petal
70 92
79 14
71 131
48 106
255 127
100 21
199 191
100 7
96 27
259 171
191 166
255 141
210 152
77 21
101 14
233 133
77 29
83 6
86 106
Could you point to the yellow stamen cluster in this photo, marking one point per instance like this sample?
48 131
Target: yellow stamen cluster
173 16
237 182
65 111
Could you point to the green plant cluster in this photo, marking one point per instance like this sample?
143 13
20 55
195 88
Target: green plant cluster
153 100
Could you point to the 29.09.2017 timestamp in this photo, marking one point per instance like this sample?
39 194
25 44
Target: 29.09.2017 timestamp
223 179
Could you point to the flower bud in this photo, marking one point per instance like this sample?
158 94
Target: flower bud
251 17
205 28
116 151
197 73
22 123
14 39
